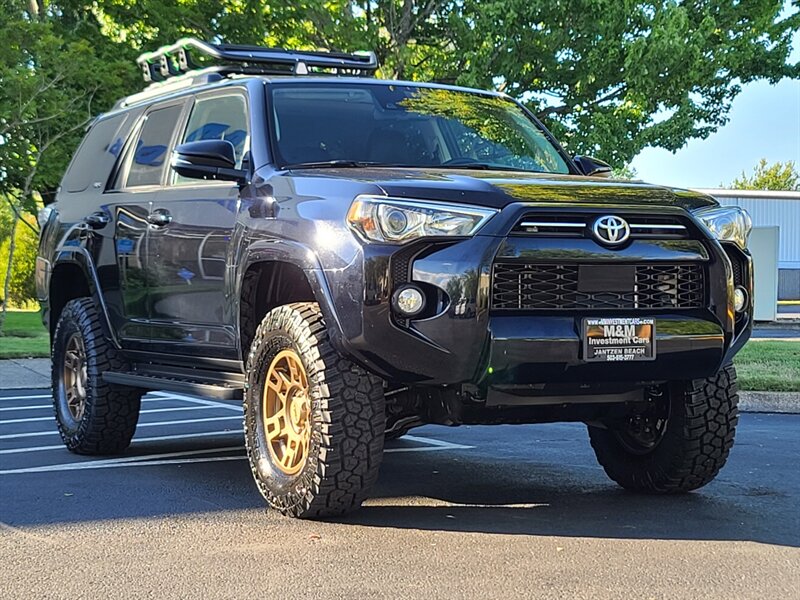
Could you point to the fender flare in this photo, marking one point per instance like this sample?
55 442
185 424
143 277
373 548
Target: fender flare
80 257
305 259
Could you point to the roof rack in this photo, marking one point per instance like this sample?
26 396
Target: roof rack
178 59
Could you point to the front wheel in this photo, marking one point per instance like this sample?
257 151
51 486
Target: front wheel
679 443
314 421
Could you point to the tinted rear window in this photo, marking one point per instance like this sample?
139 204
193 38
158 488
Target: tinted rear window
97 154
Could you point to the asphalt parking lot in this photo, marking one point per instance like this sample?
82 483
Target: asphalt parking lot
512 512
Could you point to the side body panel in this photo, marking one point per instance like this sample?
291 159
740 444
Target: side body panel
191 259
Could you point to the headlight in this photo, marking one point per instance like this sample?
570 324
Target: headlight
396 221
44 216
727 223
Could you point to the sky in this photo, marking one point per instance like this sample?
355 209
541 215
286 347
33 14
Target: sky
764 122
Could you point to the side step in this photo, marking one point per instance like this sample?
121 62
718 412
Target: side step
221 390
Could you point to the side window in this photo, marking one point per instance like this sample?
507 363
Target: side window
218 118
96 155
150 154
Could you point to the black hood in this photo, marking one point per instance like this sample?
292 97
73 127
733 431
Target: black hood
500 188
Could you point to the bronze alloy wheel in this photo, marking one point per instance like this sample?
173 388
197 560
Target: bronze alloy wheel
74 374
313 421
286 411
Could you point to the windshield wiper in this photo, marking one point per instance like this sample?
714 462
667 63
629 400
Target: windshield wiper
323 164
359 164
478 166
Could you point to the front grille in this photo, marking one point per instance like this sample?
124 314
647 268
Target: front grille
580 225
525 286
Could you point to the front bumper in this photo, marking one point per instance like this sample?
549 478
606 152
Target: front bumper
466 342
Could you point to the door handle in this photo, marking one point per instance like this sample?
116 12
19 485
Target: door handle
159 218
97 220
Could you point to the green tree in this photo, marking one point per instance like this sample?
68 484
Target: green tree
777 176
19 291
610 77
625 172
613 77
53 81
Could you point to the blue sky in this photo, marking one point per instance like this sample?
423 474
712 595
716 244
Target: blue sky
764 122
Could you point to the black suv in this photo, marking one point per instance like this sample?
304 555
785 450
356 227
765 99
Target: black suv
355 257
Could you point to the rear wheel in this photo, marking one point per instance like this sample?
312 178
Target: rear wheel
93 417
314 421
679 443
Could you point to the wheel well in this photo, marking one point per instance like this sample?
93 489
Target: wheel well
266 286
66 283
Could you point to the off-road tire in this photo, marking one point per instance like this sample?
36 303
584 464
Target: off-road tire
694 447
110 411
347 419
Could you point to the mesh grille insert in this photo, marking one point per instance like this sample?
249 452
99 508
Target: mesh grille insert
525 286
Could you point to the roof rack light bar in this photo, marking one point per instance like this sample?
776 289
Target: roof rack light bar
176 59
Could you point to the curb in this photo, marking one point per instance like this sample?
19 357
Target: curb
770 402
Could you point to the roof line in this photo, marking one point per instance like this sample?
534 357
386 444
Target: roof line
774 194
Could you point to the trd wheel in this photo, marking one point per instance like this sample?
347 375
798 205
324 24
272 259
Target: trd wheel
314 421
286 412
679 443
93 417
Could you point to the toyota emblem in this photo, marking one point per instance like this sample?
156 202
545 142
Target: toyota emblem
611 230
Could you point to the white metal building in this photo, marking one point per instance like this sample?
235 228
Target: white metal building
773 209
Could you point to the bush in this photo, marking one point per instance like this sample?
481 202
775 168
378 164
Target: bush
22 287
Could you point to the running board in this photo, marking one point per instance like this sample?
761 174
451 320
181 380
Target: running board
219 391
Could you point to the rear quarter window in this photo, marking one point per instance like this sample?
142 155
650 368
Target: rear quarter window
97 154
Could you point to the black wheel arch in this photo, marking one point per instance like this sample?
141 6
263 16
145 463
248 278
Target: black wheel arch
73 275
276 273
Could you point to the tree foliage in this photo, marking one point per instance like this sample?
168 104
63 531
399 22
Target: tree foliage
776 176
21 291
610 77
53 81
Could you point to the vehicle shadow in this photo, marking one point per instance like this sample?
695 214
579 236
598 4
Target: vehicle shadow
569 501
556 490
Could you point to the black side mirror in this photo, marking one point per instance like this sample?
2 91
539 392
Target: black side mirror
592 166
208 159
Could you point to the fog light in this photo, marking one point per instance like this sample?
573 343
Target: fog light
739 298
408 300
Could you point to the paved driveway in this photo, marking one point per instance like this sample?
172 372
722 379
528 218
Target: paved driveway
497 512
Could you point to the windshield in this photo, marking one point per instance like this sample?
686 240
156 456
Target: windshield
344 124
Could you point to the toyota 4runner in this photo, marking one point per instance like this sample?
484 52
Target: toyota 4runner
355 257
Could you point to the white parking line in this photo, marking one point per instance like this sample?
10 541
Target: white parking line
43 406
214 403
172 457
14 436
116 462
431 442
40 406
144 412
24 397
136 441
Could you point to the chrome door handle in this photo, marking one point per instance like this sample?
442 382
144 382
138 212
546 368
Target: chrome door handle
159 218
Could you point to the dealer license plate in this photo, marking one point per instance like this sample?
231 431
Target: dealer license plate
619 339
